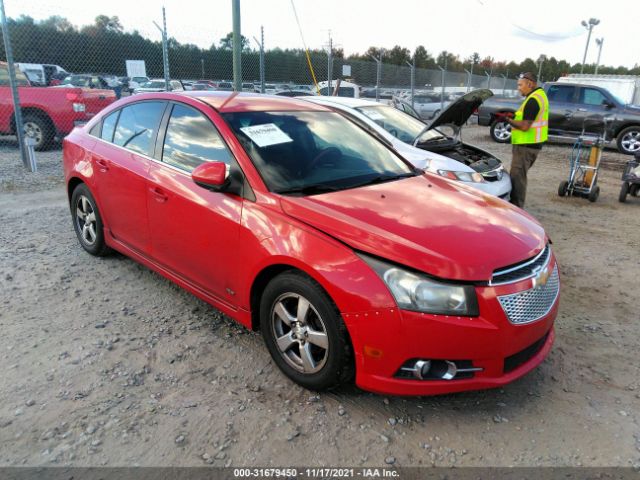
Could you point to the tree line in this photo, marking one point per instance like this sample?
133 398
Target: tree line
103 47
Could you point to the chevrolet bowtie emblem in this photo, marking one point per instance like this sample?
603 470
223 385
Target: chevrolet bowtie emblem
541 279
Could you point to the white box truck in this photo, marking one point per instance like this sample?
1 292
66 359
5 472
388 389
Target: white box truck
625 87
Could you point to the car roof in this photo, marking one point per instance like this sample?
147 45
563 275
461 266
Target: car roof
225 102
346 101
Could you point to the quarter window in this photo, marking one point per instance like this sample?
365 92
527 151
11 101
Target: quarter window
137 126
109 126
191 140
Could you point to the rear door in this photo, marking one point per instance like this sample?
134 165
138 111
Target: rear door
121 162
562 108
194 231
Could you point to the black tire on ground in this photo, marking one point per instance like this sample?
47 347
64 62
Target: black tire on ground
628 140
40 129
563 189
594 194
293 310
634 189
624 190
87 222
500 132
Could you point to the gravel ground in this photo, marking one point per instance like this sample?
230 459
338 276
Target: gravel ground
107 363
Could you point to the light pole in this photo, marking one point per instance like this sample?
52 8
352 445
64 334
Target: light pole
599 42
165 49
589 26
541 60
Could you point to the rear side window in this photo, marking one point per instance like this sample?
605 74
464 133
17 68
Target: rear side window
561 93
138 125
591 96
109 126
191 140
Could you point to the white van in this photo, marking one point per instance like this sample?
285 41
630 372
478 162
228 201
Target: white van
346 89
39 74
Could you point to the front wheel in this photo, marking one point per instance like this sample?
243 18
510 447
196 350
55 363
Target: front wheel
629 140
624 190
304 332
563 189
594 193
500 131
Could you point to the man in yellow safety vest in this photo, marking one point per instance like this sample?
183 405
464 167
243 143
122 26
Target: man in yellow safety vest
529 130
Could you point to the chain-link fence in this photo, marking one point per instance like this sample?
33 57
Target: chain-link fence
61 75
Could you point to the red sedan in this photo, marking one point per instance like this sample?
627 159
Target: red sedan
294 221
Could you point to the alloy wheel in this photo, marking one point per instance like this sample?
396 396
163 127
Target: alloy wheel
631 141
33 130
502 131
86 220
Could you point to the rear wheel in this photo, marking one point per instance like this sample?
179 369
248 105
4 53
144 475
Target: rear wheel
624 190
39 129
87 221
500 131
563 189
304 332
594 194
629 140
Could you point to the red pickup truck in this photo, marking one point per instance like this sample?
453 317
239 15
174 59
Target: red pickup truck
48 112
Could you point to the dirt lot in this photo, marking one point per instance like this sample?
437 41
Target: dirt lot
106 363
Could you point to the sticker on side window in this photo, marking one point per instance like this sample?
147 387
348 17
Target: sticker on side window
373 115
266 135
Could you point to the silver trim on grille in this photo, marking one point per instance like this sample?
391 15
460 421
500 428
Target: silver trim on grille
531 305
545 251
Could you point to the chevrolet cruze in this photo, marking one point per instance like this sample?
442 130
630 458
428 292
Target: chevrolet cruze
296 222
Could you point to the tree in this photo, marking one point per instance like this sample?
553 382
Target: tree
58 23
423 58
110 24
398 55
226 43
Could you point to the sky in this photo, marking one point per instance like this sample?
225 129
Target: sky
501 29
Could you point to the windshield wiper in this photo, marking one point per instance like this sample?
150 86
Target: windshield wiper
385 178
309 190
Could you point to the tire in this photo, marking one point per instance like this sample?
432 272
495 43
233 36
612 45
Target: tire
307 363
624 190
594 194
563 189
629 140
87 222
500 132
40 129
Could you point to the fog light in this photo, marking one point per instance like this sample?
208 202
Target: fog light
421 368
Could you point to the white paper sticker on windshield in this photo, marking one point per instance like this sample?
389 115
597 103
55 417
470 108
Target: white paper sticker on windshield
266 135
372 114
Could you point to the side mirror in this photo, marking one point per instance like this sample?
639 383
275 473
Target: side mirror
608 104
211 175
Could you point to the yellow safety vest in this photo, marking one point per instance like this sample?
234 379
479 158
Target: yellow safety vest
538 132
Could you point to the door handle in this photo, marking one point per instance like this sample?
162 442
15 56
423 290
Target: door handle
583 110
102 164
159 194
568 113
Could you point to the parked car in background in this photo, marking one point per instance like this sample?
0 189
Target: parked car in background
158 85
295 93
136 82
294 221
429 105
57 78
225 86
248 87
48 112
93 81
346 89
428 147
40 74
569 105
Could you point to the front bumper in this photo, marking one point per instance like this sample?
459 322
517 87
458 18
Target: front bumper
500 188
385 340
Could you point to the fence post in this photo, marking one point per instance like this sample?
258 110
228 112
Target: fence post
237 47
468 79
14 90
413 78
378 75
443 71
504 86
261 45
165 49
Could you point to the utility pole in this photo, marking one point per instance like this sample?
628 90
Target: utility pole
329 64
261 45
165 49
378 74
599 42
444 72
237 47
14 88
541 60
589 26
413 76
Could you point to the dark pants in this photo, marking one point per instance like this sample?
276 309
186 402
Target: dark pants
522 160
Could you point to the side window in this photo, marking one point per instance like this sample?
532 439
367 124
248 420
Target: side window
137 126
95 130
561 93
591 96
109 126
191 140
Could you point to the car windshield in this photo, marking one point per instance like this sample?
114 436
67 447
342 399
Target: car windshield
303 153
77 81
154 84
399 124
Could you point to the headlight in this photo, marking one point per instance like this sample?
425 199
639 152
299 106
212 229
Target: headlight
473 177
417 292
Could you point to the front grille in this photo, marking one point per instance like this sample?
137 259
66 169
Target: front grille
523 270
405 371
523 356
533 304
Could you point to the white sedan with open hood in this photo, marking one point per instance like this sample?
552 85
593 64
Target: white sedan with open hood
436 147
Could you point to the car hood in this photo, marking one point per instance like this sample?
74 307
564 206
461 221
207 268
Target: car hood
458 112
427 223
